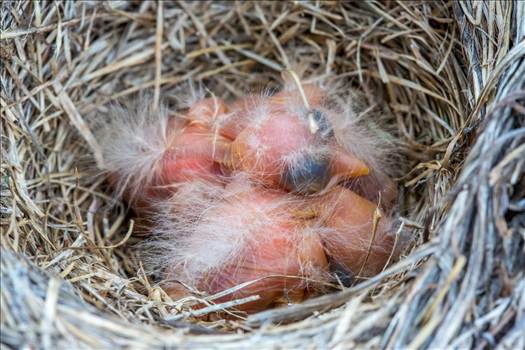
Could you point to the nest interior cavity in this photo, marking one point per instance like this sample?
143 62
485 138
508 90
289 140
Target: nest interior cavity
449 76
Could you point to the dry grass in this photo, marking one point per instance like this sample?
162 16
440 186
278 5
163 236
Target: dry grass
450 75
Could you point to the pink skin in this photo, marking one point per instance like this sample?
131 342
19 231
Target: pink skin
194 152
350 219
192 155
241 109
279 249
259 150
195 148
381 190
276 251
262 150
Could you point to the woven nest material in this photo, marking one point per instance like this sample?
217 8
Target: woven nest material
451 75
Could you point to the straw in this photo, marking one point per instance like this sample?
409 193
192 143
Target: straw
447 78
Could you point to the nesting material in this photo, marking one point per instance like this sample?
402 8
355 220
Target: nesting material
443 78
264 183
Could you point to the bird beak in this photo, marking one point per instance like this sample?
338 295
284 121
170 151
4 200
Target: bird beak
345 165
310 175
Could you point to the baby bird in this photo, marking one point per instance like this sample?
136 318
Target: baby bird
281 245
223 237
148 153
356 234
275 193
282 143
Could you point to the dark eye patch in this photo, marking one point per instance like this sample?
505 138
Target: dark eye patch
310 175
344 275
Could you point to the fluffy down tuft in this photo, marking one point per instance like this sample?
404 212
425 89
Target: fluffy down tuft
213 238
134 139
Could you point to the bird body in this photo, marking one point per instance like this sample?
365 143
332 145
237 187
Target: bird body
258 238
356 233
259 191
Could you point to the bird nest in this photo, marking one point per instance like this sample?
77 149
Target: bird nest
449 75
